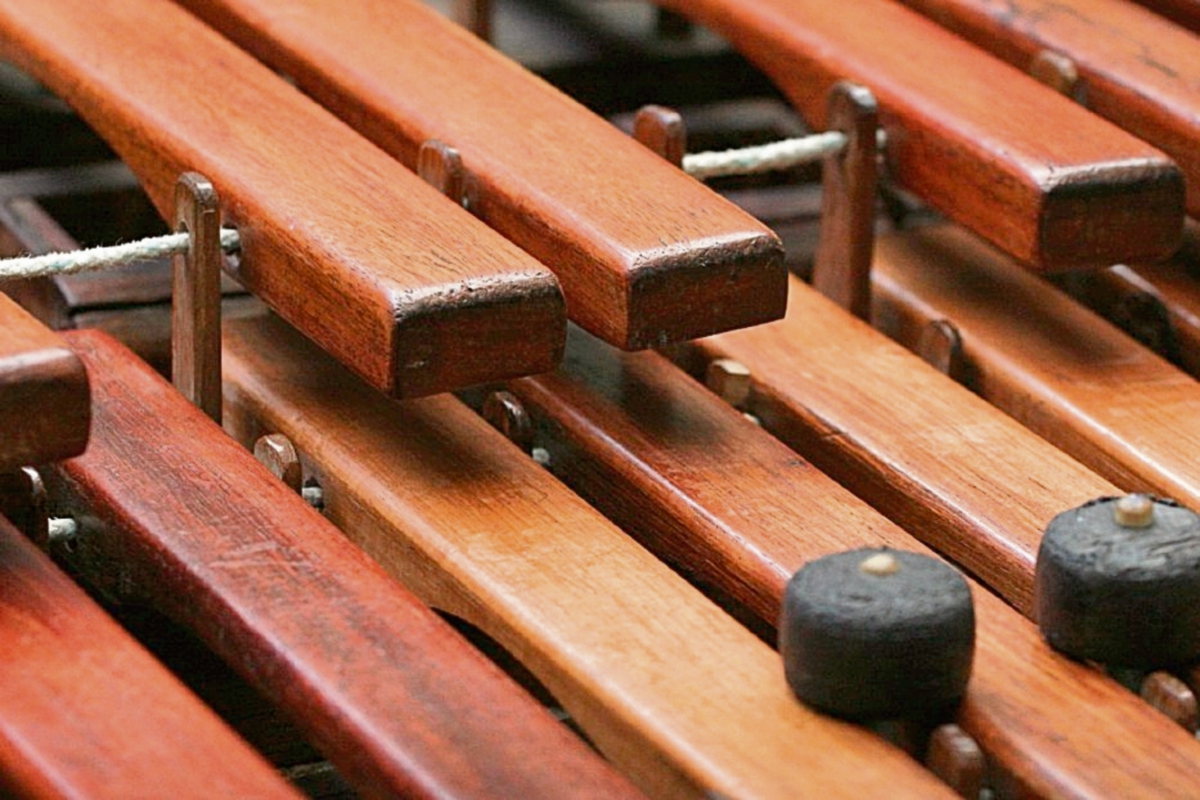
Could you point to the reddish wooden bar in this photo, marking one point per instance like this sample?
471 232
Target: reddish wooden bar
1135 69
86 712
174 513
975 138
396 281
44 401
642 262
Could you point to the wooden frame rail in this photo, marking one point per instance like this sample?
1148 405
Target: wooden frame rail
972 136
645 255
401 284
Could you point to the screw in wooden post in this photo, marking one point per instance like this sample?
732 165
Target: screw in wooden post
1134 511
842 268
661 129
196 304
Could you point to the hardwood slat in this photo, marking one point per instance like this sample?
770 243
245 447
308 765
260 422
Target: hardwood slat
971 482
1135 68
401 284
174 513
738 512
45 406
645 254
1060 370
975 138
86 712
1182 12
667 686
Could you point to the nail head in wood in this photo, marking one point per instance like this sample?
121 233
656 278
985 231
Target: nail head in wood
277 453
730 380
862 645
505 412
662 130
1120 595
842 268
196 298
957 759
1172 697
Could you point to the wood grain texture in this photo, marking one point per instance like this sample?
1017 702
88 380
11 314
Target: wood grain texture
738 512
396 281
1182 12
175 513
645 254
976 139
1060 370
86 712
1136 69
668 686
964 478
44 400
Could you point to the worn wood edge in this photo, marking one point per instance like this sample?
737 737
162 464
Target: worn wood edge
45 399
88 712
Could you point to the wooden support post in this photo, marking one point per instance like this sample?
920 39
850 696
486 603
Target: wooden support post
842 271
661 129
196 308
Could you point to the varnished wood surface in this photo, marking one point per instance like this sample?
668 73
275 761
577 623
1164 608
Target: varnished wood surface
1062 371
396 281
1183 12
964 478
645 254
44 401
972 136
669 687
732 507
86 712
1135 68
174 513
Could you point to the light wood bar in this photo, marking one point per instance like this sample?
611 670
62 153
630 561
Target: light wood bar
667 686
735 510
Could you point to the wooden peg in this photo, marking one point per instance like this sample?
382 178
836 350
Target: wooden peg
842 270
957 759
940 345
475 16
277 453
1172 697
440 165
729 380
196 304
662 130
1058 72
507 414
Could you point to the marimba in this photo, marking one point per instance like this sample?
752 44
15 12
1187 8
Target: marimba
611 533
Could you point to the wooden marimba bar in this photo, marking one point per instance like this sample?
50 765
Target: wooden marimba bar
618 536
